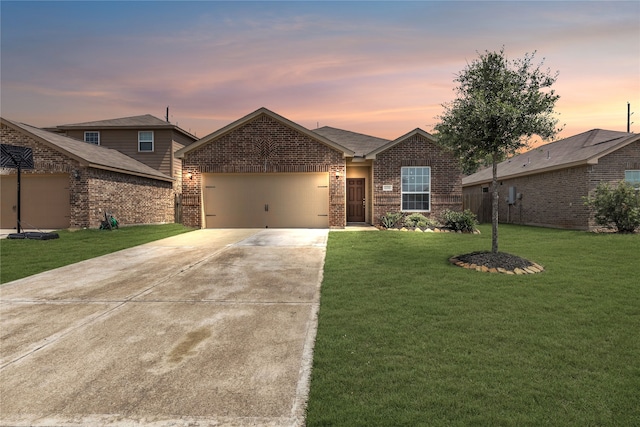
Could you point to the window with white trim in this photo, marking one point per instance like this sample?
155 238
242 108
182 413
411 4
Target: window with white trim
633 178
92 137
416 188
145 140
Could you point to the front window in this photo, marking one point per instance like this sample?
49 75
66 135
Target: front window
633 178
145 141
416 188
92 137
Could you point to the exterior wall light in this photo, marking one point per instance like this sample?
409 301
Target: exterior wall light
189 175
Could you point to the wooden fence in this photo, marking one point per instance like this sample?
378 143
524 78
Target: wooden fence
479 204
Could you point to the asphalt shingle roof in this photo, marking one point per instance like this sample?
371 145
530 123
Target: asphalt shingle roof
360 143
146 120
584 148
93 155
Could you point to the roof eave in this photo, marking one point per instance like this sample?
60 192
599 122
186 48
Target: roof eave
416 131
128 172
55 147
533 172
593 160
249 117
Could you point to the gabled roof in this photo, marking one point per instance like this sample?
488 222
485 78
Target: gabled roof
88 155
417 131
346 152
582 149
361 144
146 121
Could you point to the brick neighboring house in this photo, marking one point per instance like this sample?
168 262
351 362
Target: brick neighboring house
145 138
264 170
545 186
74 183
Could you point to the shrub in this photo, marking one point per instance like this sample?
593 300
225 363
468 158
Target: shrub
390 219
617 207
460 221
418 220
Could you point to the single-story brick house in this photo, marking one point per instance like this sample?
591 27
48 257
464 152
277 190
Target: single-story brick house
73 183
545 186
264 170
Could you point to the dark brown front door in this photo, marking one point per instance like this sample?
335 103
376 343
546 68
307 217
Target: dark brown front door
355 200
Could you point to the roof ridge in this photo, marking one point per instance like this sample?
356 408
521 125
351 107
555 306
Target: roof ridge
119 119
96 156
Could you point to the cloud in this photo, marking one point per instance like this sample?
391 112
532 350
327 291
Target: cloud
383 66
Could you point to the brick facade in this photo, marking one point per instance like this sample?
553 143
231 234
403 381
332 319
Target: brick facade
132 199
262 145
416 150
555 198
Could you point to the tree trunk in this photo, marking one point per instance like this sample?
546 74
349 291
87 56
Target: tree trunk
494 207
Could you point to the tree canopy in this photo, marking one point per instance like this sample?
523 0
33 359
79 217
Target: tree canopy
500 105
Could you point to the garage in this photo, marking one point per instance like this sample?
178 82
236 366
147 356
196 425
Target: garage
45 201
271 200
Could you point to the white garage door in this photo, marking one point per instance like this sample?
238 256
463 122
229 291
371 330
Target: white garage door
293 200
45 201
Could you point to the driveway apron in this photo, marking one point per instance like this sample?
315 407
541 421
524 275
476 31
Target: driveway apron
212 327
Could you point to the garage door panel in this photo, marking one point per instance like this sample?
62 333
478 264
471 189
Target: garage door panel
266 200
231 203
45 201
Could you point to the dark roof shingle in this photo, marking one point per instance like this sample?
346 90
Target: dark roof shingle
584 148
92 155
360 143
146 120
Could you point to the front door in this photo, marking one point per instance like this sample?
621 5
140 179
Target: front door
355 200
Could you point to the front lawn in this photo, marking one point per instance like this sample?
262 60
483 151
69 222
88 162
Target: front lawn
406 339
22 258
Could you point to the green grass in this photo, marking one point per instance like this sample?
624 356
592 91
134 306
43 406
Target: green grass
22 258
406 339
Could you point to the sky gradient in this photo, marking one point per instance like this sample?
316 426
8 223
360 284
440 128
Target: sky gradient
379 68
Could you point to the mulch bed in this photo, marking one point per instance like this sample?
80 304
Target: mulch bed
497 260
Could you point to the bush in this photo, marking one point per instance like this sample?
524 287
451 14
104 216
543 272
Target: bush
418 220
390 219
617 207
460 221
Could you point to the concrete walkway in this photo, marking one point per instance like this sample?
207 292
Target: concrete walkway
209 328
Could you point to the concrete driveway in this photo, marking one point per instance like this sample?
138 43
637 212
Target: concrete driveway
209 328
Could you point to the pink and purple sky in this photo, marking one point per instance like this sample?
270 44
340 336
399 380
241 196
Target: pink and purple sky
379 68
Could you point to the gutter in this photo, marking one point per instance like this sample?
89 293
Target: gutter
128 172
586 162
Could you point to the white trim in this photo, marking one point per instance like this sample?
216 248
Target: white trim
152 141
92 131
403 192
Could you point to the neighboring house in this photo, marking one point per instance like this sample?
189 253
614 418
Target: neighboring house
546 186
264 170
145 138
74 183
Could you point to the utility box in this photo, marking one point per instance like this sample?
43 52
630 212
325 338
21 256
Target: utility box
513 195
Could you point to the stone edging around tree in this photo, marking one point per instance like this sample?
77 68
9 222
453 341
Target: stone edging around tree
532 269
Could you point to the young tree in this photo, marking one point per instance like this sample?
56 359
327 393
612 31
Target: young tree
500 105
